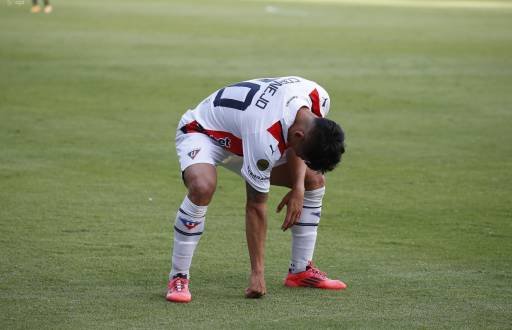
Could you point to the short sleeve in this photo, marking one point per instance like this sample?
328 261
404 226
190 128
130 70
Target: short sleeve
259 159
292 106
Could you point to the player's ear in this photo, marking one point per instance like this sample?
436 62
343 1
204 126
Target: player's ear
299 134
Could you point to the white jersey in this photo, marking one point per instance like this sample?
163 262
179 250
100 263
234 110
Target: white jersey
251 119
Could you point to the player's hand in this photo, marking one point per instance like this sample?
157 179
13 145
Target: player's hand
293 200
257 288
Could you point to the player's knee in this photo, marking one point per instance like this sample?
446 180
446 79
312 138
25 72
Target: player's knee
314 180
201 180
201 191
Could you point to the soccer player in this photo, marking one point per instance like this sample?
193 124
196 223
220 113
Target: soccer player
36 9
270 131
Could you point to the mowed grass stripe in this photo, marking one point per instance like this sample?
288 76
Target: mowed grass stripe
416 219
439 4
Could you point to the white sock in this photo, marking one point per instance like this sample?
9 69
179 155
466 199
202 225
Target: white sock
188 228
304 232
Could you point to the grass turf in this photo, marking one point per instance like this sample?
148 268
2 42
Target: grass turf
416 220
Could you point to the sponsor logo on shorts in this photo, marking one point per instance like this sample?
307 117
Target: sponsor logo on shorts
194 153
257 177
262 164
189 223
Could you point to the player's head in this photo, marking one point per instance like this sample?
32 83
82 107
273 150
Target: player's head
323 145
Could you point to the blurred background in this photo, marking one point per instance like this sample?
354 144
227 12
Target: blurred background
416 219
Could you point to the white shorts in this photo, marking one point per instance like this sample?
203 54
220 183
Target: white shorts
197 148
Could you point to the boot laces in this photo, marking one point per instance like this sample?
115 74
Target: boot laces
317 271
178 284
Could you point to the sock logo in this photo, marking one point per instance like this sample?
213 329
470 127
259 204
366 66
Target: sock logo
189 223
316 214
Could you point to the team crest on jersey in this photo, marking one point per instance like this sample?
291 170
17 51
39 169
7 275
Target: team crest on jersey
189 223
194 153
262 164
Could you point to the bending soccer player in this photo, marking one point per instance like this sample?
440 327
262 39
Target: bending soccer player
271 132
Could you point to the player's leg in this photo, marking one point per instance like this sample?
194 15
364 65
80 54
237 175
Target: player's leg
304 232
35 7
201 180
197 161
47 7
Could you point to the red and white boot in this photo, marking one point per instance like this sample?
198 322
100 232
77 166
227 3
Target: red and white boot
312 277
177 290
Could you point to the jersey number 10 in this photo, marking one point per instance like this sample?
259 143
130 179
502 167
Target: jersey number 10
237 104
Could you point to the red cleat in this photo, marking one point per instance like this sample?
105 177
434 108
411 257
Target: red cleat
312 277
178 290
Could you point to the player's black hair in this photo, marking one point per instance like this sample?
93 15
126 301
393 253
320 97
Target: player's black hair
324 145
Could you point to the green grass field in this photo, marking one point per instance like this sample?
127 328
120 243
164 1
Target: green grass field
417 220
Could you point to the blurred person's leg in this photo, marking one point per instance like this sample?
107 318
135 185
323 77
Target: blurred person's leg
35 7
47 7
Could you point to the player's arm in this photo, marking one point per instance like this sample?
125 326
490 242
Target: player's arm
256 231
295 198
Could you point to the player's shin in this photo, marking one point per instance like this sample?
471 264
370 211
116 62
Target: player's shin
188 228
304 232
